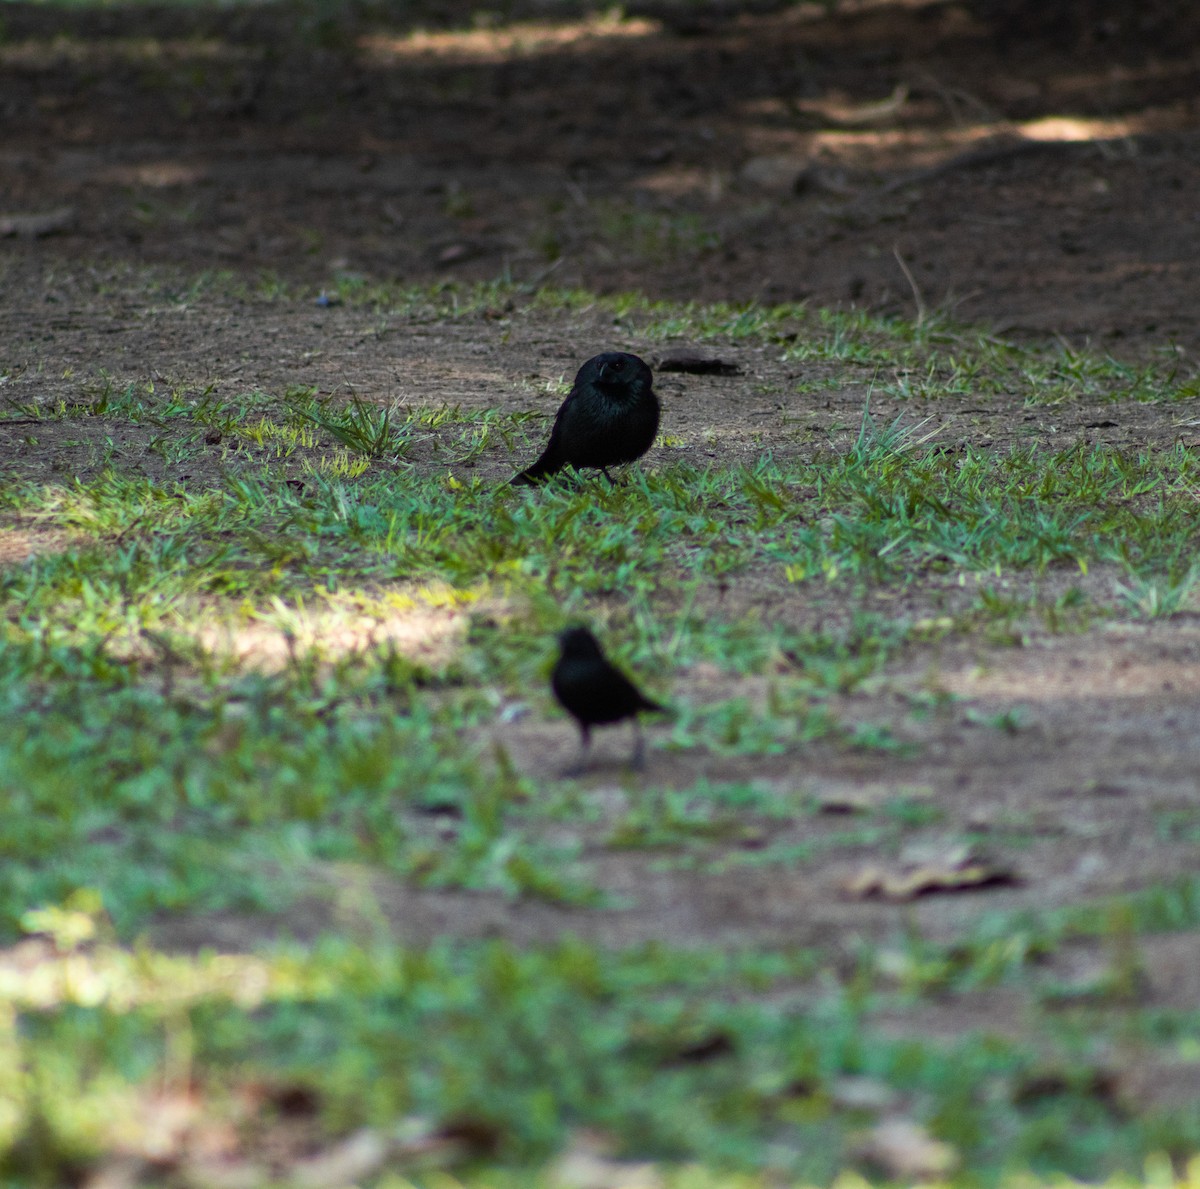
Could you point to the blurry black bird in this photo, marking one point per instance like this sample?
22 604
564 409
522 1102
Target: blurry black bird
610 416
594 692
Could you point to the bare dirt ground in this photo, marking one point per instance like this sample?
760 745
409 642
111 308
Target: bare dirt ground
1039 179
1037 176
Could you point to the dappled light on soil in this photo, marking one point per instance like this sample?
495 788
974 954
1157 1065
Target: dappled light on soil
766 155
1123 664
506 41
21 545
424 627
36 974
1075 130
156 175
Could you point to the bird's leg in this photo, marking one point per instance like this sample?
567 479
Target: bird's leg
585 739
611 481
638 759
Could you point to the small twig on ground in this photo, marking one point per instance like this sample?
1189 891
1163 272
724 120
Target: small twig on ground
916 292
954 98
32 226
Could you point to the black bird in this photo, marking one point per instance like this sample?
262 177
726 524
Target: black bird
610 416
594 692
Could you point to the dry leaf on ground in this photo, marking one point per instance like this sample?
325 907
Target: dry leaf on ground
586 1163
862 1094
903 1150
955 868
31 226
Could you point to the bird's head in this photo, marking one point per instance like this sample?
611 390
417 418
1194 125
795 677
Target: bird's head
616 372
578 644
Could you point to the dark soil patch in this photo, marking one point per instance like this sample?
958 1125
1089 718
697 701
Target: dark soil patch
1032 170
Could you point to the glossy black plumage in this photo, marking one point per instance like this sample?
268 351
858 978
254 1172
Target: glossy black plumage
609 417
594 691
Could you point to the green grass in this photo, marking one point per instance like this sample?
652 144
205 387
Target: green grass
704 1057
117 683
272 696
882 513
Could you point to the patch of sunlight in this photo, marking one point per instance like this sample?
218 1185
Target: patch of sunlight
423 624
71 958
506 41
19 545
682 181
35 974
1096 672
341 464
914 146
62 50
919 147
1075 128
154 175
282 440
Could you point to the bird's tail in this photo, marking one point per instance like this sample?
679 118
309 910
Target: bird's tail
535 473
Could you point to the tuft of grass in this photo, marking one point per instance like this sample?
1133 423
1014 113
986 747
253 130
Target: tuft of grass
371 430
